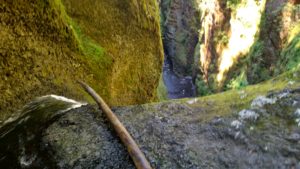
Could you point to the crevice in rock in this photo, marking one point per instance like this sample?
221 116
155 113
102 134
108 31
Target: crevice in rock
180 22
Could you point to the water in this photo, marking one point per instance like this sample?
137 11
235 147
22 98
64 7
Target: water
20 135
178 87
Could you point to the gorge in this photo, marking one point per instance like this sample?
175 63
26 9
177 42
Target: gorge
198 83
220 47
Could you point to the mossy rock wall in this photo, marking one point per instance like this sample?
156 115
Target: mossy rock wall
114 46
129 31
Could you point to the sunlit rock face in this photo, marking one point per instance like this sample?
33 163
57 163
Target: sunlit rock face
246 42
275 45
226 34
244 25
239 42
214 17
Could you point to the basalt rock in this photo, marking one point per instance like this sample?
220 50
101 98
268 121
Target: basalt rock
174 134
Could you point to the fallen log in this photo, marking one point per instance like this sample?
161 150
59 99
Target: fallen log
134 151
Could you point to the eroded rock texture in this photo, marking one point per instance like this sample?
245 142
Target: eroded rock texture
173 135
194 133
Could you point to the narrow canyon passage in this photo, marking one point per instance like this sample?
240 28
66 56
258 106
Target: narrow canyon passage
235 62
179 22
177 87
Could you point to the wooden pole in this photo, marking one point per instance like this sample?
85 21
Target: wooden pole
134 151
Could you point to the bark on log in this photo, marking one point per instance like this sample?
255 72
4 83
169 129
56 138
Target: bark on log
134 151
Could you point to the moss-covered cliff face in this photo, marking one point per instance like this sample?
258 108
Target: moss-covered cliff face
129 32
46 45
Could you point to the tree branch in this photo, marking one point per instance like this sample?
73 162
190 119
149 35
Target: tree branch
134 151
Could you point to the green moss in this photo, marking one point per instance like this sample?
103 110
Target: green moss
221 38
91 49
232 101
47 49
290 54
202 88
93 54
256 50
162 92
165 7
294 32
233 4
39 57
88 46
254 65
239 82
129 32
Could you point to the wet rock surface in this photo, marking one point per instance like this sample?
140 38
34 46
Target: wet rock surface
177 87
174 135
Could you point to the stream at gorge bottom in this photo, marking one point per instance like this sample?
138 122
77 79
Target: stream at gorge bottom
177 87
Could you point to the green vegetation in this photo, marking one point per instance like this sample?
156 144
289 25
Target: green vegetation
269 55
239 82
162 92
264 59
233 101
232 4
255 65
202 88
256 50
165 4
221 38
291 53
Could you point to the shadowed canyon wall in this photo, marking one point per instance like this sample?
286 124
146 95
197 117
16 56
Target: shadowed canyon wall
180 24
45 46
130 32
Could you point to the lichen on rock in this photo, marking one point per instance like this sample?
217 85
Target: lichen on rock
248 115
260 101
